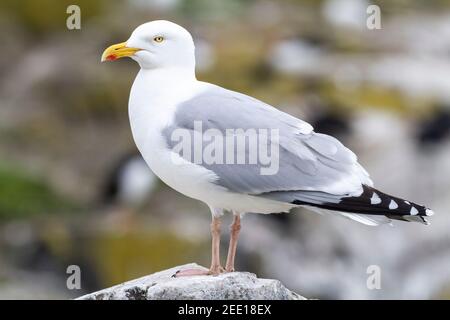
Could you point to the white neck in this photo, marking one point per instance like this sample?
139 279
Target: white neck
156 93
161 86
151 84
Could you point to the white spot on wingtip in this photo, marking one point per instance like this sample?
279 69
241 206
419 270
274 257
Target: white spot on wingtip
413 211
305 128
429 212
393 205
375 199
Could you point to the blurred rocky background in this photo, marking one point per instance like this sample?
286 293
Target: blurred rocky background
74 190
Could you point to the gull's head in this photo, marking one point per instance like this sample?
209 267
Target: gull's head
156 44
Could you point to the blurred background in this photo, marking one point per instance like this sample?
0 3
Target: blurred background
74 190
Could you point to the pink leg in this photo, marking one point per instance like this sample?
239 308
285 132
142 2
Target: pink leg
234 236
215 268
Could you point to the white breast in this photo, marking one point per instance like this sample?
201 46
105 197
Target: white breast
151 108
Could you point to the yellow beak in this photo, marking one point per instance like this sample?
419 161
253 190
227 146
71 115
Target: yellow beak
118 51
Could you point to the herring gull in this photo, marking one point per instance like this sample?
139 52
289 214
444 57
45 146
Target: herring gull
235 153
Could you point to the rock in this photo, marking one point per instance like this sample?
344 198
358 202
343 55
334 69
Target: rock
163 286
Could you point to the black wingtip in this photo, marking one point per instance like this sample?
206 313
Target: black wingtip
374 202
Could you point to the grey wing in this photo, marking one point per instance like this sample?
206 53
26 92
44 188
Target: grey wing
303 161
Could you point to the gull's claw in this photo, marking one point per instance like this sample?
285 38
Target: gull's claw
216 270
213 271
191 272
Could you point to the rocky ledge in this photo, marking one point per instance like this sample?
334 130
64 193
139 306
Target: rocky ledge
163 286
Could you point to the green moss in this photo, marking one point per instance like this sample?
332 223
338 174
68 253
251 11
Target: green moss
376 97
207 9
44 16
22 195
120 257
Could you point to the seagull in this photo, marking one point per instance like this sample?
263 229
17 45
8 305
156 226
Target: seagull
172 115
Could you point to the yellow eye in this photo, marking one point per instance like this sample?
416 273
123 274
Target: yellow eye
158 39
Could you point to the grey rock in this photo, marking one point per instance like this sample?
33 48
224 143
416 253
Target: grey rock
163 286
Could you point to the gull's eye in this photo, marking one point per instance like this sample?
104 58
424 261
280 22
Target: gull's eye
158 39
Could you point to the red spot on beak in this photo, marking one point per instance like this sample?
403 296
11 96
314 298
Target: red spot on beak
111 57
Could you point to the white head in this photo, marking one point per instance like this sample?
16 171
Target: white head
156 44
